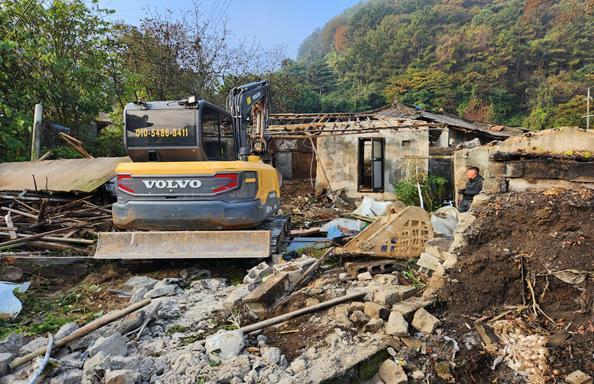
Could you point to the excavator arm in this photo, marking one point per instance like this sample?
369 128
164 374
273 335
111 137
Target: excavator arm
247 104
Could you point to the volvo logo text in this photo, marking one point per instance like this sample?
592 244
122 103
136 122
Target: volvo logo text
172 183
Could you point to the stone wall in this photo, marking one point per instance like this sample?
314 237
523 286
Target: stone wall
339 157
533 174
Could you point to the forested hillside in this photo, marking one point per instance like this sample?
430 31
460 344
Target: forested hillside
519 62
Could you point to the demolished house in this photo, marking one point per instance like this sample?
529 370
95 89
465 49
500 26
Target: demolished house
371 163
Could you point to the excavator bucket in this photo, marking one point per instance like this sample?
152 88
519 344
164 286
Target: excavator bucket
183 245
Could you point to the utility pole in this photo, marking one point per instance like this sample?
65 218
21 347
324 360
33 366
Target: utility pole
588 110
36 132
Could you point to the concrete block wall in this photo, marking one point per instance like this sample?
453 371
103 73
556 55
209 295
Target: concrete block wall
520 176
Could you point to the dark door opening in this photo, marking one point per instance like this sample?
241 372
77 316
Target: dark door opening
370 171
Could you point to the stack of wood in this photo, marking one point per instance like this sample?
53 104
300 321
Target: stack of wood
66 225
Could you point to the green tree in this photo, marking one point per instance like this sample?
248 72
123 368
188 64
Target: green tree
61 55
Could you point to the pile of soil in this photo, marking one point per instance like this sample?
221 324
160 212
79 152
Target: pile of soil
531 235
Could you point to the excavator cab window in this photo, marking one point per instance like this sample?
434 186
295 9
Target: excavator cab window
217 135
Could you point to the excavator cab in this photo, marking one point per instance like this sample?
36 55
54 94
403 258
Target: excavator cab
179 131
193 189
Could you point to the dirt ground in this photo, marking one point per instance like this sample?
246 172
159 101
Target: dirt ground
521 237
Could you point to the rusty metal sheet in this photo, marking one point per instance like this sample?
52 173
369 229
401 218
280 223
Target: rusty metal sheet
67 175
183 245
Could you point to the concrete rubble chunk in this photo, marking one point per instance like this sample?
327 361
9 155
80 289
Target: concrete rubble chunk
364 276
450 260
236 296
266 294
311 301
390 295
5 359
409 306
374 325
387 296
424 322
71 361
138 294
358 317
12 343
129 322
376 311
578 377
122 376
271 355
72 376
99 360
392 373
356 306
428 261
342 309
226 344
141 281
417 375
298 365
397 326
343 321
440 243
33 345
160 289
112 345
65 330
257 273
386 279
465 220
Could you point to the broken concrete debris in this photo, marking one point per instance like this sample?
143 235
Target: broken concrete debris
391 372
424 322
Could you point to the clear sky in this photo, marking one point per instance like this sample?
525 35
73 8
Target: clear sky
270 22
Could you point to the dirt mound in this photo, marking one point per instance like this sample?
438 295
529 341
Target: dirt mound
525 244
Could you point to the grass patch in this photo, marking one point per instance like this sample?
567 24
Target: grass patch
176 328
45 310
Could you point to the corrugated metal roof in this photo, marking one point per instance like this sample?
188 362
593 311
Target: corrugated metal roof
402 111
68 175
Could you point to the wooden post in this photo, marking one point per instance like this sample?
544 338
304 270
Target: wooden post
36 132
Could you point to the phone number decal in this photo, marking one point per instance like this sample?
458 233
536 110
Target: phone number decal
162 132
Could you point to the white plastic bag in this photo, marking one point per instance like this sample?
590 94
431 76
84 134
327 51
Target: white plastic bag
371 208
10 306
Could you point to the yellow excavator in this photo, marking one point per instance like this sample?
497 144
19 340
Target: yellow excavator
197 186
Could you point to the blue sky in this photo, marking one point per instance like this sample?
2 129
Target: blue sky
270 22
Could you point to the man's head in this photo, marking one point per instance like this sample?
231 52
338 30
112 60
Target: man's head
472 173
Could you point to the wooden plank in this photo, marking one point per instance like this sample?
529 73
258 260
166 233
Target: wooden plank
11 228
17 212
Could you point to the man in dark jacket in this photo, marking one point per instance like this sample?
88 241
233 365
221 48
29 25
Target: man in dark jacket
474 186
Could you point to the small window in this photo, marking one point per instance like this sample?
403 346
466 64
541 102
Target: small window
406 143
217 135
370 171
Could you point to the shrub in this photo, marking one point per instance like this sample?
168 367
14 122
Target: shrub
432 190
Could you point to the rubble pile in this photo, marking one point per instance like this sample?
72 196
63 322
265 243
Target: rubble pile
525 274
59 224
506 298
308 209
